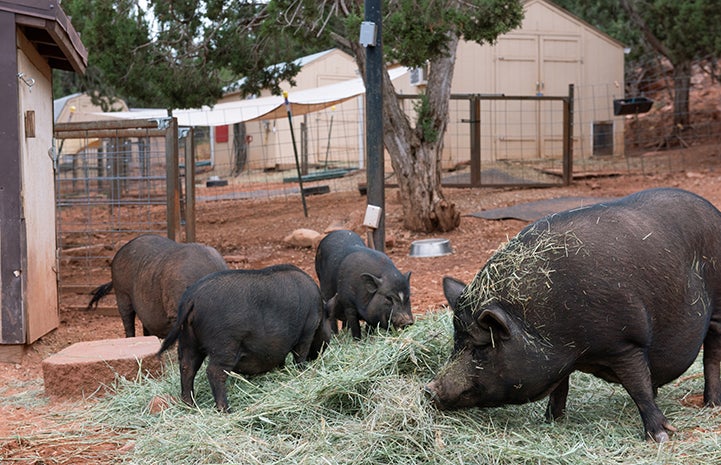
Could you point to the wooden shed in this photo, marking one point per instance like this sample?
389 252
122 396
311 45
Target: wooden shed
551 50
36 37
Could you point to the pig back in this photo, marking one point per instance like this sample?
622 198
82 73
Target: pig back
269 310
182 267
332 251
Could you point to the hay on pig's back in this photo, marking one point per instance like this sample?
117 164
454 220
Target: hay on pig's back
522 269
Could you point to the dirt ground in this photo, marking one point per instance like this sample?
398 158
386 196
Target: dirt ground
250 234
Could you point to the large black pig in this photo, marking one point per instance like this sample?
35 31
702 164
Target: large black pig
246 321
150 274
361 284
627 290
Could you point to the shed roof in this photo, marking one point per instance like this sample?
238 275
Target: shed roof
561 10
48 28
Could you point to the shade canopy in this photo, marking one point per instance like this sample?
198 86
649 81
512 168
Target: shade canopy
301 101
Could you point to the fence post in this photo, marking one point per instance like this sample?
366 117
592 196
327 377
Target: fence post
475 110
172 185
190 186
568 138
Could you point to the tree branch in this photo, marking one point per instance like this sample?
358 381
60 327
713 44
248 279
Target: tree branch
647 33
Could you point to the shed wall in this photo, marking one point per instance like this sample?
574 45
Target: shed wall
551 50
38 195
12 324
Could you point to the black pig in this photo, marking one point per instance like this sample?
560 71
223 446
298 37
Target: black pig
150 274
246 321
360 283
626 290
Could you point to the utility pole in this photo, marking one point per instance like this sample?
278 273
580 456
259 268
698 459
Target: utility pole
370 37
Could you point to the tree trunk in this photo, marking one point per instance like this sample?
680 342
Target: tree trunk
240 149
681 89
415 155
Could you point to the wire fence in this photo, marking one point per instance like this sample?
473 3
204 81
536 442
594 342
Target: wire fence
520 141
113 182
112 186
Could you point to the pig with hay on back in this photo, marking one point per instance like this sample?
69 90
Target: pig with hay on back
627 290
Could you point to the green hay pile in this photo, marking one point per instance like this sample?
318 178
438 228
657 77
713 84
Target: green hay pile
362 403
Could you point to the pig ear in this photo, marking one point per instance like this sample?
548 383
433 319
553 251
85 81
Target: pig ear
452 289
408 277
495 319
372 283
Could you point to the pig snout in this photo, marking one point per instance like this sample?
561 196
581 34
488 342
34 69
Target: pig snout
431 392
401 319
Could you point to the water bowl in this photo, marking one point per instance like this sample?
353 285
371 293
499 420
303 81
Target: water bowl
431 248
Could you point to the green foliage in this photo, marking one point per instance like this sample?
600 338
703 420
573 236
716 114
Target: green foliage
116 36
686 30
413 31
424 119
180 54
417 30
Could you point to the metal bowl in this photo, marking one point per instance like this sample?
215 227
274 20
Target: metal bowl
430 248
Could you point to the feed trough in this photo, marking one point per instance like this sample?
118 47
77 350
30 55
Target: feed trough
431 248
215 181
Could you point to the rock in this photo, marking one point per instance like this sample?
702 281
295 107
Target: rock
88 368
303 238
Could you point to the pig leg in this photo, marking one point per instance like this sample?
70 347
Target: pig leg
330 309
127 313
557 401
711 360
217 376
300 351
190 359
634 374
349 316
351 320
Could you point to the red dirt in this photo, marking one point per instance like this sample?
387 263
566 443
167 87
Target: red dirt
252 232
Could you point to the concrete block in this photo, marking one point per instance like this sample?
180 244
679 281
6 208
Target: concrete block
86 368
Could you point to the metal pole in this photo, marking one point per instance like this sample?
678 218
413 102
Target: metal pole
375 170
172 184
475 102
190 186
568 139
295 152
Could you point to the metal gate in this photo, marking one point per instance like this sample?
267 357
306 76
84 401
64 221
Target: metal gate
115 180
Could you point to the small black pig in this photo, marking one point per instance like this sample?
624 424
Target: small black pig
627 290
246 321
360 283
150 274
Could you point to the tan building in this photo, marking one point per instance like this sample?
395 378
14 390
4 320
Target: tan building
267 142
551 50
77 108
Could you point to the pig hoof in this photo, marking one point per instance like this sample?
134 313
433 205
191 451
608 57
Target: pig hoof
661 437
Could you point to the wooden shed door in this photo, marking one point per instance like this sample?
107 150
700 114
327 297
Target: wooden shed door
533 65
560 65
